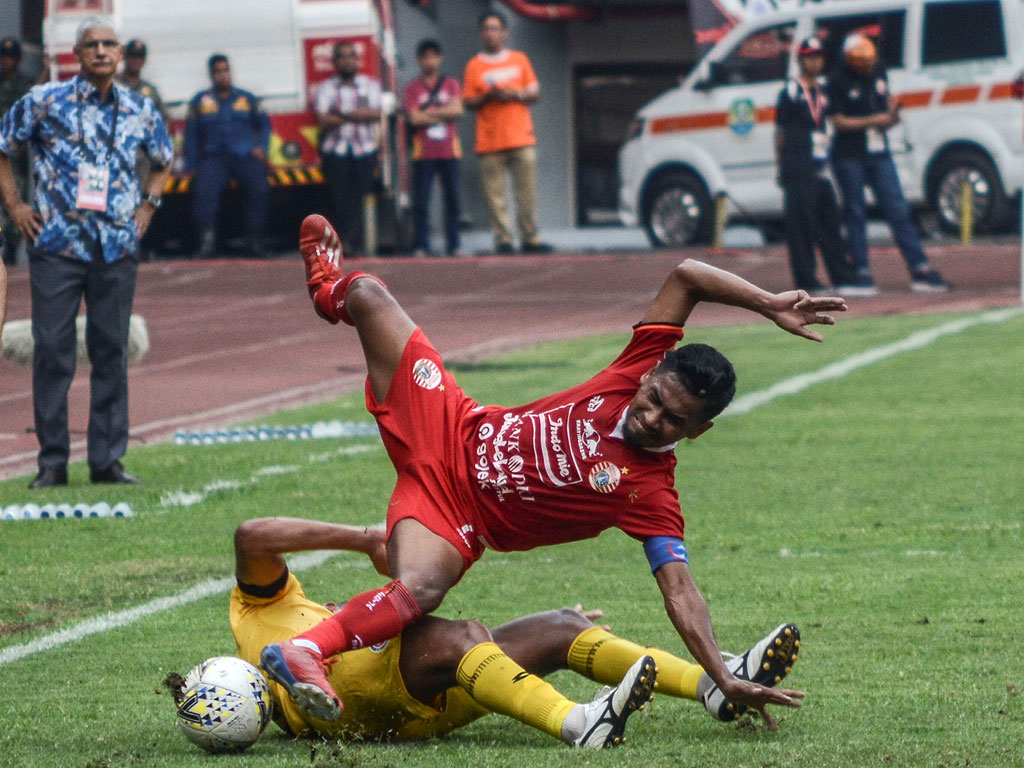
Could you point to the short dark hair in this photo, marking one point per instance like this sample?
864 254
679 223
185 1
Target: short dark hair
428 45
341 44
492 15
705 373
216 59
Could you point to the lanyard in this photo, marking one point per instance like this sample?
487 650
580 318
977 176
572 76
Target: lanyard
815 104
113 127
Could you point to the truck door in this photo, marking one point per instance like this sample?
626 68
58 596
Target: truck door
741 95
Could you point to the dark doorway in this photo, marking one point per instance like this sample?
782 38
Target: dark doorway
607 96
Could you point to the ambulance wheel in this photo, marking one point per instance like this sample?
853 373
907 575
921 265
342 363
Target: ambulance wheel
677 210
990 207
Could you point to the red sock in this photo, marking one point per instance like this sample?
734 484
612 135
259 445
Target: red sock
339 292
366 619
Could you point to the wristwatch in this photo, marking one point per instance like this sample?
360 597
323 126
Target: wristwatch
155 200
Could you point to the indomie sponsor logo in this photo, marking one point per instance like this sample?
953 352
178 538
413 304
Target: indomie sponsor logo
553 447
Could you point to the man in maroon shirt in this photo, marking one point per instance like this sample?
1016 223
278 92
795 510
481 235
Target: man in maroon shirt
562 468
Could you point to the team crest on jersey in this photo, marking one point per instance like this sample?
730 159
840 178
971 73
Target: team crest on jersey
605 477
426 374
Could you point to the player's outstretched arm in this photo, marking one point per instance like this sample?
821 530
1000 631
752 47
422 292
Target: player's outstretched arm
689 614
693 282
260 544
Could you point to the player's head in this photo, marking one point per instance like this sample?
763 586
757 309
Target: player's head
860 54
679 397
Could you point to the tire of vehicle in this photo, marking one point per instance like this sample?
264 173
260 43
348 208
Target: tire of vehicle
991 206
677 210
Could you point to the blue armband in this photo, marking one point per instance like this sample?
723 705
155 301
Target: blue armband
665 549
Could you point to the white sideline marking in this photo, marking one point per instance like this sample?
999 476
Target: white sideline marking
116 619
744 404
796 384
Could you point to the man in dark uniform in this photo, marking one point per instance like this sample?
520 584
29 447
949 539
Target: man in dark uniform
811 210
13 85
861 112
226 137
131 78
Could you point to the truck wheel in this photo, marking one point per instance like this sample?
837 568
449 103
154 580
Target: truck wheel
990 206
677 210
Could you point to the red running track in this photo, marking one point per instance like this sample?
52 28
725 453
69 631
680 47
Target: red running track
233 340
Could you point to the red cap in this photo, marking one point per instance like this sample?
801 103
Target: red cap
810 47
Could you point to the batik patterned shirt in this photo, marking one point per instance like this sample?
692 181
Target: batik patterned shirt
66 124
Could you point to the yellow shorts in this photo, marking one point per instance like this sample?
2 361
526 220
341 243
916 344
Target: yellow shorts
369 682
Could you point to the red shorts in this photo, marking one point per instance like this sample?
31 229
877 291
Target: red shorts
420 423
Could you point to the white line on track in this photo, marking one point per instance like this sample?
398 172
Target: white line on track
741 405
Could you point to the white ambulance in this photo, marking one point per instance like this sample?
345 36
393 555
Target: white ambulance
951 66
280 50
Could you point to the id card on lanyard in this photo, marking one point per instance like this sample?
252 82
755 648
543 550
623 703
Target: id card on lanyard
94 178
819 138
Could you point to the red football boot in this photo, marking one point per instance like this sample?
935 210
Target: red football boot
321 250
300 669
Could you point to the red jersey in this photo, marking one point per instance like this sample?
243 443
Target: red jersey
558 469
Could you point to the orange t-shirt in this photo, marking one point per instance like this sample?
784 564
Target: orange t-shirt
501 125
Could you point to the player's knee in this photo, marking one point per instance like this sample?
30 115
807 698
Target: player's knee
428 595
470 634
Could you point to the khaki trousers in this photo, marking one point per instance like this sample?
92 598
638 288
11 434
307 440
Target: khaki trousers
522 163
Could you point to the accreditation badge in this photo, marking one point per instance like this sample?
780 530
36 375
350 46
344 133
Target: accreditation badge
819 145
93 184
875 141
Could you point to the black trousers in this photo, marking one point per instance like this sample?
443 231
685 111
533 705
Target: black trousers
349 179
812 219
58 286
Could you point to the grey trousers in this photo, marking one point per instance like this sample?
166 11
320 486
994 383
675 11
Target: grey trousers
58 286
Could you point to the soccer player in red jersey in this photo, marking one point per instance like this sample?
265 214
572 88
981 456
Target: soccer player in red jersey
563 468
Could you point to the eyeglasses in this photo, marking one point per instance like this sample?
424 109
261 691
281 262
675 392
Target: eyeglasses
92 45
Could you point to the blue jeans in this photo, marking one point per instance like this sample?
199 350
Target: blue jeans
423 181
878 171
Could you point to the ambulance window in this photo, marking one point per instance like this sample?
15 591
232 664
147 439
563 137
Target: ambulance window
961 31
886 29
761 57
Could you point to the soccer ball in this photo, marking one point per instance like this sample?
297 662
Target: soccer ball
225 705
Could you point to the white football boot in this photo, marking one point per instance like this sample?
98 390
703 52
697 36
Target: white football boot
767 663
605 717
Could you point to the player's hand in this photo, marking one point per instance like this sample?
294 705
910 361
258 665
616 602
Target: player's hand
27 220
378 551
758 697
793 311
596 613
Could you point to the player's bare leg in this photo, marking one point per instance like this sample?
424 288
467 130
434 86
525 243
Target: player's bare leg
438 654
358 299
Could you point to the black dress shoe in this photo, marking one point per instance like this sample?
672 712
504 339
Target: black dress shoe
538 247
48 477
113 474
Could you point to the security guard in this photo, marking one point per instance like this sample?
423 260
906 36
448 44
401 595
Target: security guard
13 85
134 60
226 137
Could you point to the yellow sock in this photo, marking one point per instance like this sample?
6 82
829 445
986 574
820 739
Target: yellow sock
495 681
603 657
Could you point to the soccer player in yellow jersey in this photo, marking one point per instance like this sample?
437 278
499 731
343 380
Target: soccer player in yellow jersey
439 674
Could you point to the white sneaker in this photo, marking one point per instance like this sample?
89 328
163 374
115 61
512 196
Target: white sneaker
769 661
605 717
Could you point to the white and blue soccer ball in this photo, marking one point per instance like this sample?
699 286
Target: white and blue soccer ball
225 705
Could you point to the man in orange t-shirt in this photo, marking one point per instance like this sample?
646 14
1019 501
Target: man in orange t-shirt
499 85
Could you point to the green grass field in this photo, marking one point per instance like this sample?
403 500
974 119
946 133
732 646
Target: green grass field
880 511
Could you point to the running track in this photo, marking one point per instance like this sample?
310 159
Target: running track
232 340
